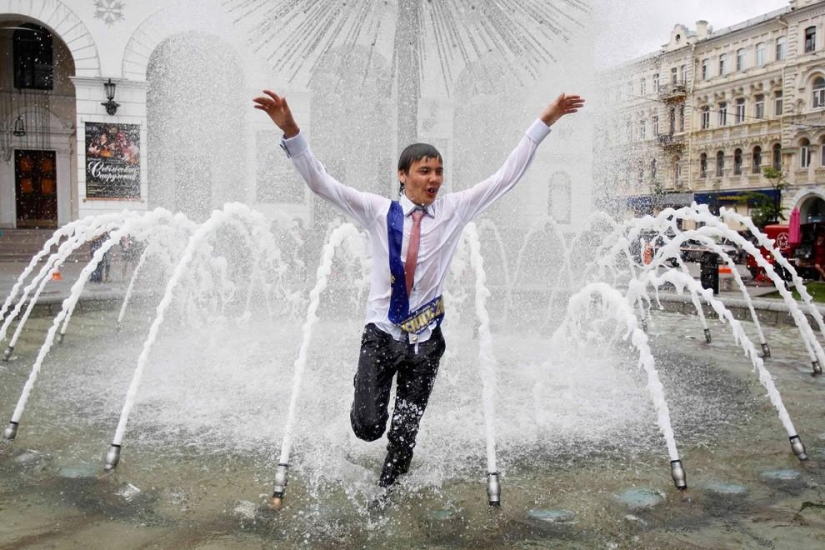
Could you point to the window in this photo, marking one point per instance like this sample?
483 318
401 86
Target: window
674 75
759 106
777 104
642 125
822 154
723 64
723 114
33 58
653 170
740 110
720 163
776 160
682 118
641 172
655 126
740 59
780 48
756 167
705 69
804 153
656 83
703 165
628 130
677 171
684 71
819 93
672 120
760 54
705 117
737 162
810 39
642 86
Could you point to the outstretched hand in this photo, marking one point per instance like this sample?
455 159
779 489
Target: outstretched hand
278 110
562 105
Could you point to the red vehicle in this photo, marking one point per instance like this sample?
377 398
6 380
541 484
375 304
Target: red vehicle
800 255
779 234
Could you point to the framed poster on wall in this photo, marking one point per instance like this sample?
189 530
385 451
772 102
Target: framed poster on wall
112 161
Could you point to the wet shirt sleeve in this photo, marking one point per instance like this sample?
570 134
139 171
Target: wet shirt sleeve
361 206
475 200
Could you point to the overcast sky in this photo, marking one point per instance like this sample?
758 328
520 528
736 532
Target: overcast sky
631 28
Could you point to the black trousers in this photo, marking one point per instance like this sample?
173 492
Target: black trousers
382 357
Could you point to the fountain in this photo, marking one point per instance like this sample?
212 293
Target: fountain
207 404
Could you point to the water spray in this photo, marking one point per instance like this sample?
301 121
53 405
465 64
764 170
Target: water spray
493 489
678 474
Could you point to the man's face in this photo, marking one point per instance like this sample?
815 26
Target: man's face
423 181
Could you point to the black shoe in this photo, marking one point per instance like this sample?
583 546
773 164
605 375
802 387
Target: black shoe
396 464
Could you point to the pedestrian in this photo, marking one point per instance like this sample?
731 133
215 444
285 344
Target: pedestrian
819 256
413 241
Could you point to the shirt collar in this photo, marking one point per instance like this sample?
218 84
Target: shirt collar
409 206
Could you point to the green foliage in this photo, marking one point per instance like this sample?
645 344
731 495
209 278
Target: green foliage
765 210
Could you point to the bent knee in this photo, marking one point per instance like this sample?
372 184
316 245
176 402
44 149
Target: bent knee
369 431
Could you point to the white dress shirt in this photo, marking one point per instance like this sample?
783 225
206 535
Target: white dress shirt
440 229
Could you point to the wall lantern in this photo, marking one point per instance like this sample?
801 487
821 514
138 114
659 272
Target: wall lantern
19 127
111 106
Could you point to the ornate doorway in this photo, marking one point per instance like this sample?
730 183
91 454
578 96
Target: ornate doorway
35 176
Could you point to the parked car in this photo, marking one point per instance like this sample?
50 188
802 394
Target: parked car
693 250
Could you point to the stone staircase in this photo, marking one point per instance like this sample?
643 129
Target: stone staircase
19 245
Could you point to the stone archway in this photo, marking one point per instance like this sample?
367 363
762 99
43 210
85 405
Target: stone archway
64 24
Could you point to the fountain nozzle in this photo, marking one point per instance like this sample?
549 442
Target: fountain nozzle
7 353
278 490
493 489
11 431
766 350
59 337
112 457
798 448
678 474
708 339
817 368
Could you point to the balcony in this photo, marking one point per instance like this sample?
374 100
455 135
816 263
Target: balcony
673 91
671 141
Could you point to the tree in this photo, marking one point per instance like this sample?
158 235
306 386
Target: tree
766 210
296 33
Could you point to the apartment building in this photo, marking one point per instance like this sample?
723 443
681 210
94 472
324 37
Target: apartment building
701 119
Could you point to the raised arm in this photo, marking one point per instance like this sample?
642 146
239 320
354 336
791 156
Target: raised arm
278 110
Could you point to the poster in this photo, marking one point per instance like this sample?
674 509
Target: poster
112 161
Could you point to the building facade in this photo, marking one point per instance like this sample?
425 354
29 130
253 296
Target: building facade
702 118
109 105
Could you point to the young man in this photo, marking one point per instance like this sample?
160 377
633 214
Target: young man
413 242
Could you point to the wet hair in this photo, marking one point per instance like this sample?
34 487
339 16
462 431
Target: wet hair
414 153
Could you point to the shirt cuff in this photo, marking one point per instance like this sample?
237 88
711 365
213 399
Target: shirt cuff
538 131
295 145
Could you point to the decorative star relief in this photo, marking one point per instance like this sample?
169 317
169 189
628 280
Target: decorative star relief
110 11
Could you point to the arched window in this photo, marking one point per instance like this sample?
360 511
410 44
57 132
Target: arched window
781 50
810 39
33 58
757 160
720 163
703 165
819 93
804 153
776 160
737 162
